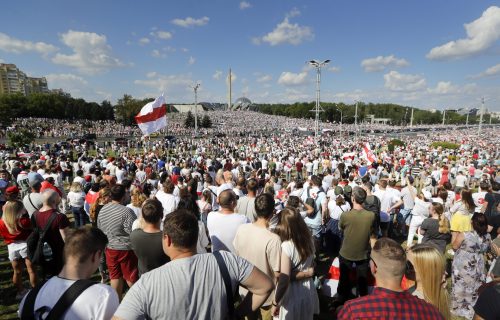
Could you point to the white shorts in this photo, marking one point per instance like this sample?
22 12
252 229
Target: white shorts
17 250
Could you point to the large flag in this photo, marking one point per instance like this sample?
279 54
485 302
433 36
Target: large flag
368 154
152 116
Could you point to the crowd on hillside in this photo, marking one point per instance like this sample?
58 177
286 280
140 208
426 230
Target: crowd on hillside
228 123
236 226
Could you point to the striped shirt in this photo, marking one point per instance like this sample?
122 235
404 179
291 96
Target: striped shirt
116 221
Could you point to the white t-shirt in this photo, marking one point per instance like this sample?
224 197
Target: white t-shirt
99 301
336 211
461 180
387 200
222 229
168 201
478 198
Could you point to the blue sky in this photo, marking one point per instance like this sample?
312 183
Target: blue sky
431 54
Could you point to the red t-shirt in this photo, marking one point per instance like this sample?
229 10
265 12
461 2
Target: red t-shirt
299 166
23 227
53 236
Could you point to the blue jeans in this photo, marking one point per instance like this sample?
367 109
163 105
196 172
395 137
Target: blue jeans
80 216
404 218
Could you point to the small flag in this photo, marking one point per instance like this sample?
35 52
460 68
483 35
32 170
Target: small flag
152 118
368 154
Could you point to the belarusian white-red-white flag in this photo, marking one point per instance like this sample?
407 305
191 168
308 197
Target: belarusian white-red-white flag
152 116
368 154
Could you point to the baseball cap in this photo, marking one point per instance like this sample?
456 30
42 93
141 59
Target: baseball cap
34 179
12 189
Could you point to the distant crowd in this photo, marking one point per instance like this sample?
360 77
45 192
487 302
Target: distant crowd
237 226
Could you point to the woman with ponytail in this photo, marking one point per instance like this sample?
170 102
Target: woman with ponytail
436 228
430 281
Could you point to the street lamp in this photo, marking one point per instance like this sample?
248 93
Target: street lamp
318 65
195 88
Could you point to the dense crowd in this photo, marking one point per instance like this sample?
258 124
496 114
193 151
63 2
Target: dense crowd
236 226
228 123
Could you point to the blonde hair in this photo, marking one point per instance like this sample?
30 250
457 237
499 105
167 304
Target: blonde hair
444 224
430 267
137 198
76 187
11 214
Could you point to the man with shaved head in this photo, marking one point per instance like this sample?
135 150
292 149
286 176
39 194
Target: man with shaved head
222 224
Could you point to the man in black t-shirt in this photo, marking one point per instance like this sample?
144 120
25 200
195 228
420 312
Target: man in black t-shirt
147 240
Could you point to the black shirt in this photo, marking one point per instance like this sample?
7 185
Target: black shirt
487 306
495 223
148 249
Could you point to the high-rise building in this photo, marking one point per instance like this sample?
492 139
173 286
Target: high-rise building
13 80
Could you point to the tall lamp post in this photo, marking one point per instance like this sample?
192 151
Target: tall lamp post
318 65
195 88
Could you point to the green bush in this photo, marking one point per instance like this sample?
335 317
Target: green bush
445 145
395 143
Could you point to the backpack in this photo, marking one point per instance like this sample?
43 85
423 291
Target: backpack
312 202
62 305
433 182
38 249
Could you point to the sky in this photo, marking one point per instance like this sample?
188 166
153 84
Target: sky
427 54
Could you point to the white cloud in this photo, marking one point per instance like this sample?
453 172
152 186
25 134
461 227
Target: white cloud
264 78
286 32
158 54
292 79
217 74
184 49
144 40
380 63
191 22
170 84
482 33
151 74
191 60
14 45
245 5
396 81
91 53
334 69
490 72
444 87
160 34
63 80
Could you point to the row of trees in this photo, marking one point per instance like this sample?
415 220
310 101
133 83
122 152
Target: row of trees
51 105
399 115
54 105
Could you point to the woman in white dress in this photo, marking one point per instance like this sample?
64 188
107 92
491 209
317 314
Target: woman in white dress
296 296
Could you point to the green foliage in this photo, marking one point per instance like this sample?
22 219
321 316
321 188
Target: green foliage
398 115
20 137
395 143
51 105
127 108
206 122
445 145
189 121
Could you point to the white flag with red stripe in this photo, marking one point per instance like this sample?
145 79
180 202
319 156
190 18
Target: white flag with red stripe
368 154
152 116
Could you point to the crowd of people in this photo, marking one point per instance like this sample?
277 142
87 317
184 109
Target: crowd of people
237 226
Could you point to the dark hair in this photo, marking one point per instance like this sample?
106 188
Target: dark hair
466 196
264 205
252 185
117 192
293 202
226 198
168 186
479 224
359 195
189 203
126 183
316 181
93 239
152 211
182 227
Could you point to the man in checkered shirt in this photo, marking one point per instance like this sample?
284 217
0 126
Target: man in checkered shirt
388 300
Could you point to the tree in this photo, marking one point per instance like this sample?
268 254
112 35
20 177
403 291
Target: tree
189 122
206 122
20 137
